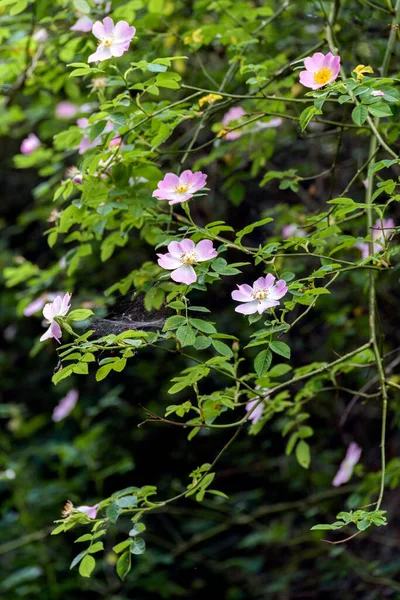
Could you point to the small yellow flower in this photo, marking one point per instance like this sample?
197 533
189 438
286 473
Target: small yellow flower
360 71
195 36
209 99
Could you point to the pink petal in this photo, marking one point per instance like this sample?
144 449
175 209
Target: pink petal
314 62
65 406
47 335
108 24
247 309
244 293
264 283
185 274
307 79
55 330
35 306
84 24
179 198
98 30
257 412
169 182
175 249
187 245
264 305
167 261
205 250
123 32
278 290
90 511
103 53
119 49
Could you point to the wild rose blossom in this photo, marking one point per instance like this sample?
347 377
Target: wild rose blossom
90 511
65 406
263 295
83 24
66 110
113 40
346 468
182 255
320 70
75 174
58 308
180 188
233 114
292 231
37 305
30 144
379 234
257 412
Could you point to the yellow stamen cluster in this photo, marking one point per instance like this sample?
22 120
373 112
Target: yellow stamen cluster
189 258
182 188
323 75
260 295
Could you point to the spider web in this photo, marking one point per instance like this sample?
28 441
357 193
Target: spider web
128 313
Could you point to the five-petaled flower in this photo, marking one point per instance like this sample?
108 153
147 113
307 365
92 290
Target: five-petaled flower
114 40
180 188
320 70
182 255
263 295
346 468
30 144
380 231
65 405
58 308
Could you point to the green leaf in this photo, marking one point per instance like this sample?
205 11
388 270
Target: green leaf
80 314
96 130
124 565
185 335
156 6
202 343
280 348
96 547
323 527
113 511
87 565
359 114
307 115
363 524
380 110
121 546
127 501
103 371
82 6
262 362
202 326
250 228
303 454
78 558
222 348
137 529
138 546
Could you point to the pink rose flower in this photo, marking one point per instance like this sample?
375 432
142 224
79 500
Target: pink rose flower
257 412
65 405
66 110
38 304
233 114
84 24
379 234
29 144
58 308
292 231
180 188
182 255
114 40
320 70
378 93
263 295
90 511
346 468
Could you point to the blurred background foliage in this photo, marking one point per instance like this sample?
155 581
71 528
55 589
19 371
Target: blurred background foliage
258 543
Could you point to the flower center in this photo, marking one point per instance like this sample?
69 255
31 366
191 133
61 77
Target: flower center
182 188
322 76
260 294
108 41
189 258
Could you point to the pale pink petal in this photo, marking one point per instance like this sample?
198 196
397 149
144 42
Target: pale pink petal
55 330
307 79
82 122
98 30
90 511
119 49
66 110
47 335
84 24
123 32
167 261
179 198
247 309
35 306
103 53
346 468
264 283
257 412
175 249
233 114
314 62
378 93
65 406
364 248
244 293
205 250
169 182
264 305
30 144
187 245
278 290
185 274
65 304
108 24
